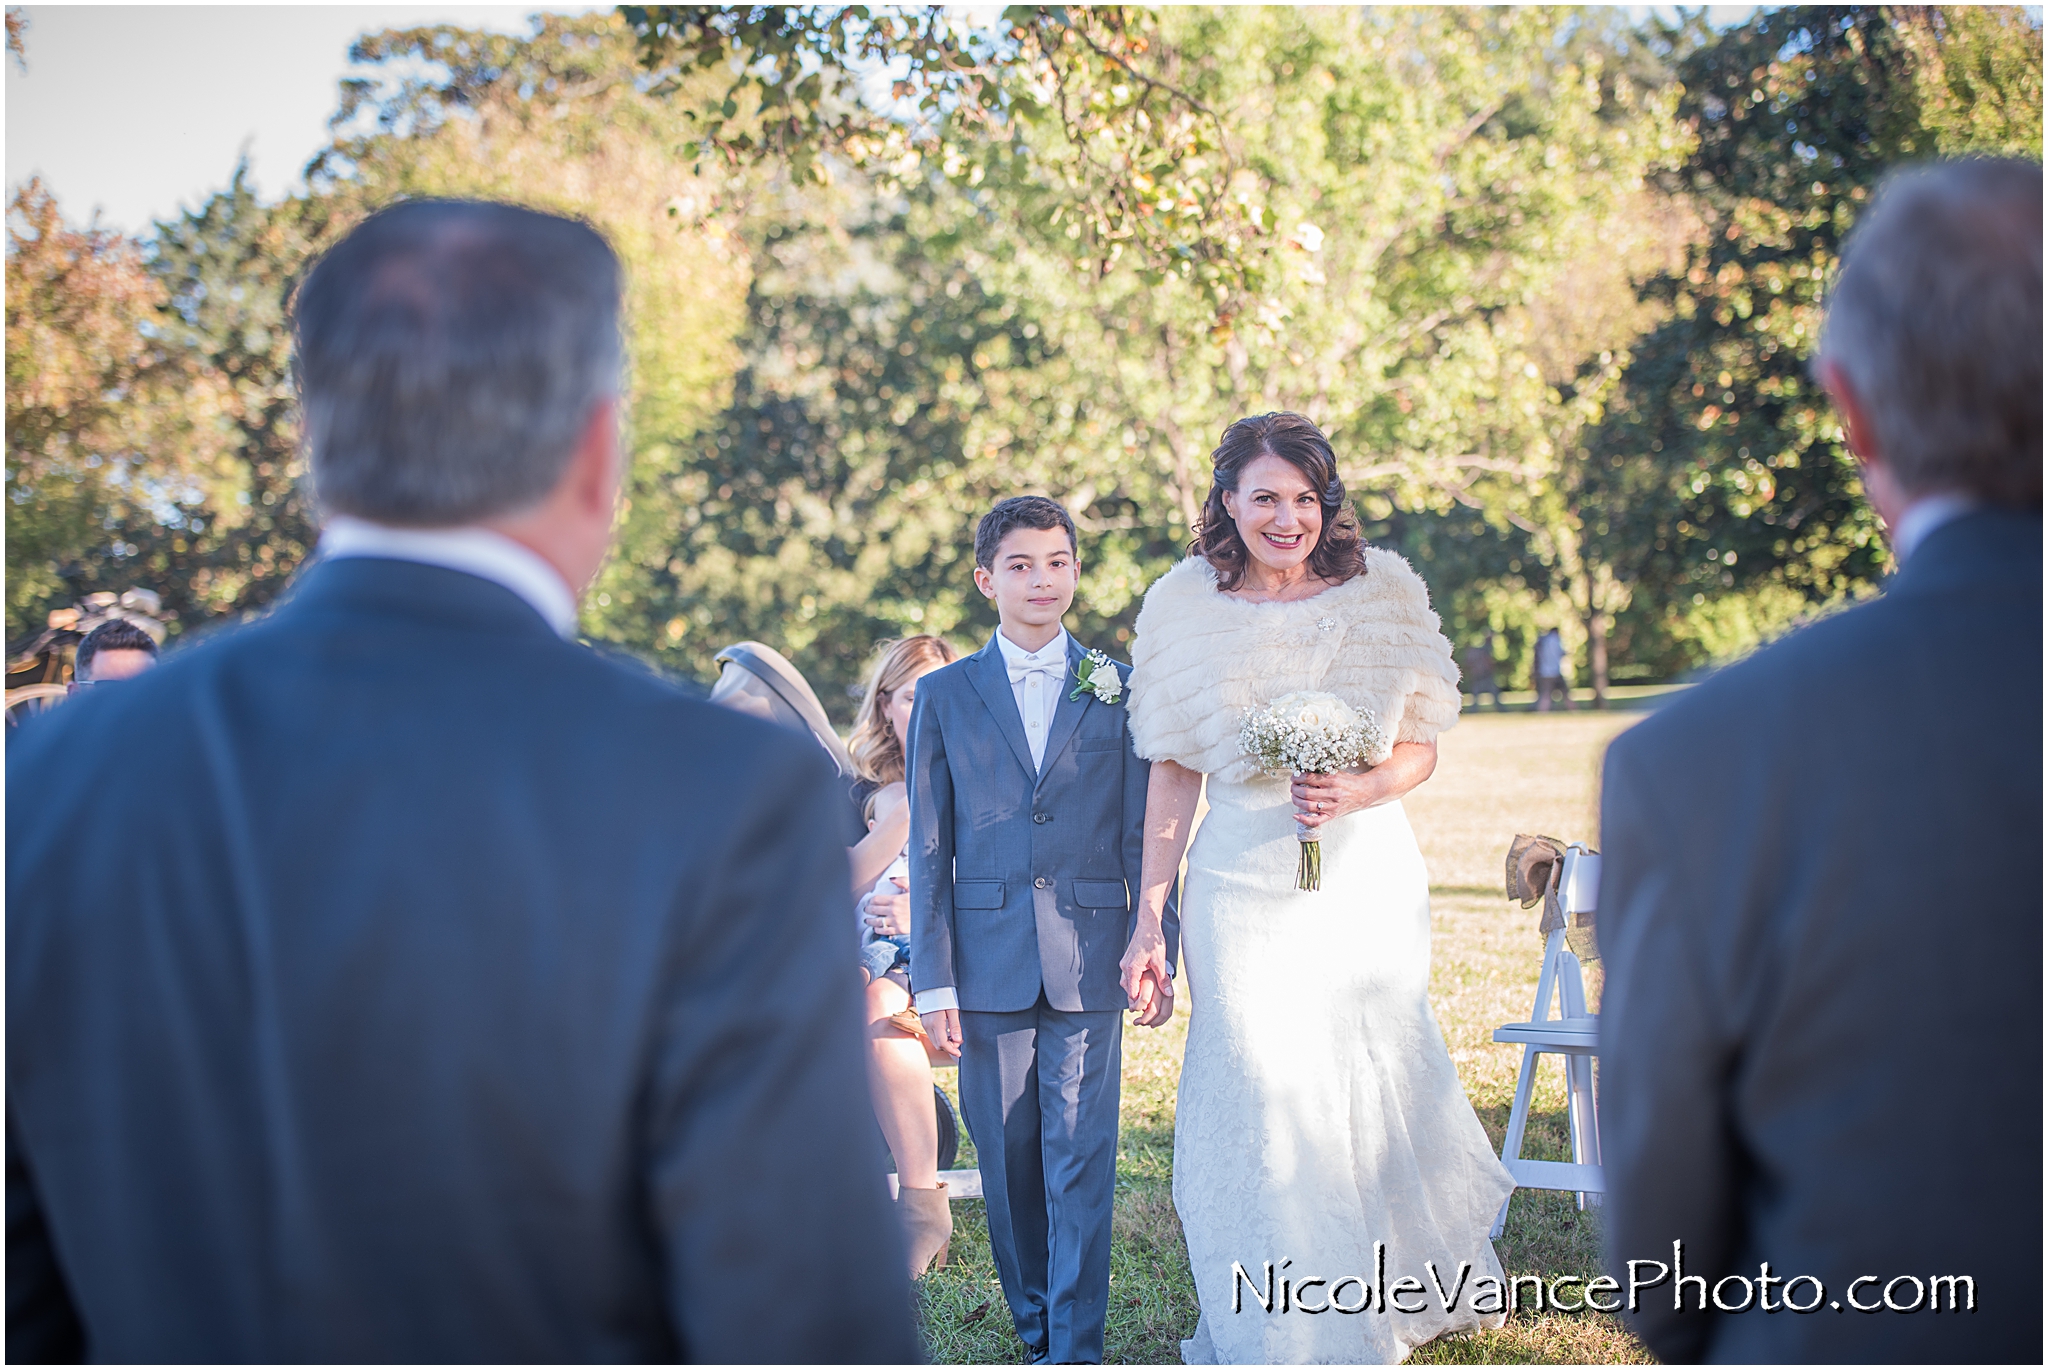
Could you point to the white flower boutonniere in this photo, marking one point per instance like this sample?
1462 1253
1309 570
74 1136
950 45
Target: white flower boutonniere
1097 675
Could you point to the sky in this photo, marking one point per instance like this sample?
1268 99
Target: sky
141 110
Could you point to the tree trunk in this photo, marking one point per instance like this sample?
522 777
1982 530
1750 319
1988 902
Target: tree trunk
1596 655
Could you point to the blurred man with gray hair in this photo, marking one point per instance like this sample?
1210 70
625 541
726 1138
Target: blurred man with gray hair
458 994
1821 908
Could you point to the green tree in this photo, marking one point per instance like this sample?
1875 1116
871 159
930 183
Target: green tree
1735 503
1398 190
558 121
1432 178
153 428
114 431
245 521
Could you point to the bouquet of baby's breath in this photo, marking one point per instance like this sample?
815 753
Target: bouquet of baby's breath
1306 733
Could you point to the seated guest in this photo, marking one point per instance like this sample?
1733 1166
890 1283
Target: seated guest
459 994
1821 908
899 1063
116 650
881 952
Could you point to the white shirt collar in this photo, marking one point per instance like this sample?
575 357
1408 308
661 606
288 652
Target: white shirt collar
1925 515
1055 650
477 551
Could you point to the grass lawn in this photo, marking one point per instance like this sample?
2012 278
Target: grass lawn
1498 774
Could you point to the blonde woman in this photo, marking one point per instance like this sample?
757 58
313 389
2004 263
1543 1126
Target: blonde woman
899 1070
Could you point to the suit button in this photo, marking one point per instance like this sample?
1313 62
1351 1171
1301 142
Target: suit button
1043 882
1041 818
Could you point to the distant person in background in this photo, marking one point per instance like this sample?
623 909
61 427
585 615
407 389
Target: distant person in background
459 995
1821 907
116 650
1550 672
1479 672
899 1064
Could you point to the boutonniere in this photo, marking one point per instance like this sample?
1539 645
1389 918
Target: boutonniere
1097 675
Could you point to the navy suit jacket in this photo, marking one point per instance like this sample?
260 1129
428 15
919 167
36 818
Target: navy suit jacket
385 982
1023 878
1821 1025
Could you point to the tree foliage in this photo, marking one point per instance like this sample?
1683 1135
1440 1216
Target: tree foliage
1729 478
1549 277
116 450
558 121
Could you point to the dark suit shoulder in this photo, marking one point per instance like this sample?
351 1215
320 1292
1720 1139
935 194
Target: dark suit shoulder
1810 670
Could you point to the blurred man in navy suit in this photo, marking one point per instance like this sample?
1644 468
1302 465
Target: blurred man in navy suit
459 995
1821 908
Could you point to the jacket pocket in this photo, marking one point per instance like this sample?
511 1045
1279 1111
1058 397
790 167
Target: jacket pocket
978 894
1098 744
1100 894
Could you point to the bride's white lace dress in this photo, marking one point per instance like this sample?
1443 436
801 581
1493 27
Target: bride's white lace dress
1319 1111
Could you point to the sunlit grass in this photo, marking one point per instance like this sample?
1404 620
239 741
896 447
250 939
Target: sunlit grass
1497 775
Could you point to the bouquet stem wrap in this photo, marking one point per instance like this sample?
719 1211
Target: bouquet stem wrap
1308 872
1311 733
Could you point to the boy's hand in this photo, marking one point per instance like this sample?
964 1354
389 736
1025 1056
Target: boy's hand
943 1027
1154 1004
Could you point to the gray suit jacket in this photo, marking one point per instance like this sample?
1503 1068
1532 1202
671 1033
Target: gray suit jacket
1023 878
380 979
1821 1028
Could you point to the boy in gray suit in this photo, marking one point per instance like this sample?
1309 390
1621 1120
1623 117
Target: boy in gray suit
1026 837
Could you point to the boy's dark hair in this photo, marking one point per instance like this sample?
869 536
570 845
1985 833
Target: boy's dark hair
115 635
1018 511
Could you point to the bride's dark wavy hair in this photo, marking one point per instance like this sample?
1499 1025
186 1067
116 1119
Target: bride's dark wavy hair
1339 553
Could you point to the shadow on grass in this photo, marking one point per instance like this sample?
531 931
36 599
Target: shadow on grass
1473 892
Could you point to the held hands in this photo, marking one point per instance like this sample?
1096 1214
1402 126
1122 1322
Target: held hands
1154 1001
1322 796
889 914
1145 978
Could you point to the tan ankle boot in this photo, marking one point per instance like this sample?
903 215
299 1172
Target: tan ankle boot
927 1226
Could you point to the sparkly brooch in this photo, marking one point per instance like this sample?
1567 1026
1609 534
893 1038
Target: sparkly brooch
1326 624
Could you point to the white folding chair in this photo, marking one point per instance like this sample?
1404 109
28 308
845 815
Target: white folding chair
1574 1035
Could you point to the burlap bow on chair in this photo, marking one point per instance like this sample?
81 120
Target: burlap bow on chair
1536 871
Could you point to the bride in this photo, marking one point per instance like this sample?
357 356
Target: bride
1319 1112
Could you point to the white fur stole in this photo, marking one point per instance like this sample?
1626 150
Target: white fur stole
1202 658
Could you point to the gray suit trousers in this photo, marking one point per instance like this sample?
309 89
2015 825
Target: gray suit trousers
1039 1087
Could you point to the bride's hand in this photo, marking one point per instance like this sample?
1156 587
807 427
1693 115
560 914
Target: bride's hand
1322 796
1145 955
1155 1003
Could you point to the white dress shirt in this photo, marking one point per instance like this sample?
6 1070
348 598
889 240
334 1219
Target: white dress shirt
1923 516
477 551
1036 679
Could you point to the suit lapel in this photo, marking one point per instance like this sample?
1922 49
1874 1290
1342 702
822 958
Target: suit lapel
991 679
1067 716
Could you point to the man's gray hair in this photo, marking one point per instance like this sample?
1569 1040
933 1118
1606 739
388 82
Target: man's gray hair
449 356
1935 318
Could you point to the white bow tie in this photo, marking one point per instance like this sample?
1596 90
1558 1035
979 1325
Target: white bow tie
1031 666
